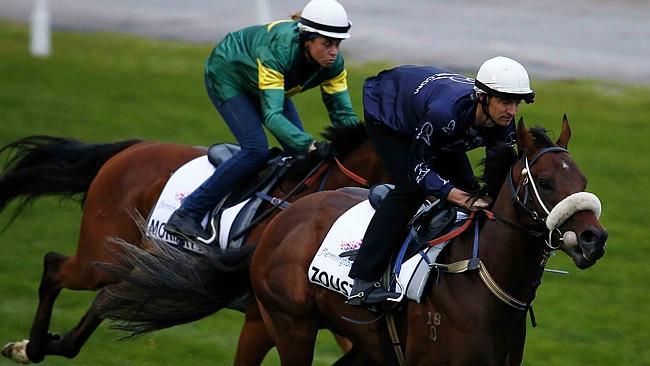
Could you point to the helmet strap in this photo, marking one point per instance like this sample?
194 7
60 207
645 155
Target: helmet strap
303 38
485 107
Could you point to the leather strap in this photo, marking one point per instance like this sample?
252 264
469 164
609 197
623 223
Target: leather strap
394 338
351 174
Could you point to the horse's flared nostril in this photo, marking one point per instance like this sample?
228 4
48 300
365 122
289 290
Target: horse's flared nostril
592 242
588 238
593 237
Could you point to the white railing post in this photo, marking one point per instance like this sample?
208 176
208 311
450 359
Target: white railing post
40 29
263 11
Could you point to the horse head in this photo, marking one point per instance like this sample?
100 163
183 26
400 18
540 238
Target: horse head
549 191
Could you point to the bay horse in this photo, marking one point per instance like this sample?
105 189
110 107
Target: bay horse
123 179
472 318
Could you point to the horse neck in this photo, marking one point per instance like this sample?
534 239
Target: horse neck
362 161
512 257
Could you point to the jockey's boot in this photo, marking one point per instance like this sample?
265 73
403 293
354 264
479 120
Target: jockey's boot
365 293
183 225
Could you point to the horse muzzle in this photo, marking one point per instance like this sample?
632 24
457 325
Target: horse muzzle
584 239
586 247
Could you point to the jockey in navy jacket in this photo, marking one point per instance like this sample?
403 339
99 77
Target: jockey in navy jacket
422 121
436 109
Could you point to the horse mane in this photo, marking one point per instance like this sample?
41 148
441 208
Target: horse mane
344 139
540 137
501 158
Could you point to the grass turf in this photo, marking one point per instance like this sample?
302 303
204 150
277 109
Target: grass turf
107 87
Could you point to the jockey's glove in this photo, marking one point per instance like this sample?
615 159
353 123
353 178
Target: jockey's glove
321 149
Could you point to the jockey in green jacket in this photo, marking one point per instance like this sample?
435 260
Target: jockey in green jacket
250 76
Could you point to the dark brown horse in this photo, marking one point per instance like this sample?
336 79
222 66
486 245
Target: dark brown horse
116 185
464 318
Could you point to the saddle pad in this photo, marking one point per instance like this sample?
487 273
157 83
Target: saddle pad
182 182
329 270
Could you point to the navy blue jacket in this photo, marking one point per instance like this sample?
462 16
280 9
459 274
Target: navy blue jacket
437 110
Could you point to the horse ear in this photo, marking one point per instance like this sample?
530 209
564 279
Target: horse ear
565 136
524 140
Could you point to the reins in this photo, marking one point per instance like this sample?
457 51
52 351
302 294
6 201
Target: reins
350 174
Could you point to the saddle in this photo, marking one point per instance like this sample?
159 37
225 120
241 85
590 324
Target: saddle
409 270
230 218
228 222
431 221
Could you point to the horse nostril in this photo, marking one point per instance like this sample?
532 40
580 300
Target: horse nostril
593 237
588 237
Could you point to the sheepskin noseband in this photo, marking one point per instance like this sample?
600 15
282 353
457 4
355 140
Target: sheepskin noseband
581 201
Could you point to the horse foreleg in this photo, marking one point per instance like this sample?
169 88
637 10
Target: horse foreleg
254 340
515 354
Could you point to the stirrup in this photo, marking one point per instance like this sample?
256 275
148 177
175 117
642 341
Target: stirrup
381 295
185 227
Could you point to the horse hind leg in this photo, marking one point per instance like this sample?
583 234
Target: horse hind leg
41 342
254 340
48 291
294 336
67 345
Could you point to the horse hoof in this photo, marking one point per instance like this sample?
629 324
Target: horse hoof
16 351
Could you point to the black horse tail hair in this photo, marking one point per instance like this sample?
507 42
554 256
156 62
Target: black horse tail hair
160 286
47 165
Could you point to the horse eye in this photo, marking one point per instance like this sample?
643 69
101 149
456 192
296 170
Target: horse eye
545 184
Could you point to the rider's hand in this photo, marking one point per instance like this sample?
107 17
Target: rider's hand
320 149
482 203
462 198
312 147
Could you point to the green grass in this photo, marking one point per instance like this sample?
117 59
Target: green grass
106 87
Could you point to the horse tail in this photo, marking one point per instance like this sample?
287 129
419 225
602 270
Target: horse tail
47 165
162 286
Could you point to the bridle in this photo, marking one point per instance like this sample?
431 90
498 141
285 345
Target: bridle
527 184
549 220
547 223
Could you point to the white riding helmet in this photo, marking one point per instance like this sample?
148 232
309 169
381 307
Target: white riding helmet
505 78
325 17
